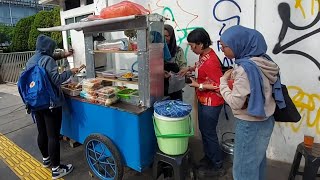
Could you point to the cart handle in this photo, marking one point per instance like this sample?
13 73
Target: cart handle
158 134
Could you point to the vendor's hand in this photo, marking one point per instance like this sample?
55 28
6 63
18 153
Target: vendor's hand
81 67
227 74
183 71
74 70
193 83
167 74
69 53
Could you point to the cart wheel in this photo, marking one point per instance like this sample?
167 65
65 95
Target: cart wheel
103 157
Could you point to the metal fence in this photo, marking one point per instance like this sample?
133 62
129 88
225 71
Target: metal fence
11 64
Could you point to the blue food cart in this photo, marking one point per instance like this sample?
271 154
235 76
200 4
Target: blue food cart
120 134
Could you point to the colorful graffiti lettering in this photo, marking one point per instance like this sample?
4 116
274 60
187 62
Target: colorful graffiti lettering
226 19
312 6
284 13
184 31
307 104
237 17
168 13
300 6
309 108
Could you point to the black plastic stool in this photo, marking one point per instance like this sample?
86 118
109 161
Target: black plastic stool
179 163
312 162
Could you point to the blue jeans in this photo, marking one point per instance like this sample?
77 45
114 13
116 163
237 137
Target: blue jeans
208 117
251 142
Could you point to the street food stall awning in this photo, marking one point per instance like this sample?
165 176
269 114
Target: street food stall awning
120 23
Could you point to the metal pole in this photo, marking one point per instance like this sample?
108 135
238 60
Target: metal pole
10 13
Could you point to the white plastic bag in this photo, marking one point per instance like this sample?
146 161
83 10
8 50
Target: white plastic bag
118 44
176 83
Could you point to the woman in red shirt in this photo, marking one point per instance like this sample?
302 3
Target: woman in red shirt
207 81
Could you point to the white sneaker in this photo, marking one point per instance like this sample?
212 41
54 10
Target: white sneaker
61 171
46 163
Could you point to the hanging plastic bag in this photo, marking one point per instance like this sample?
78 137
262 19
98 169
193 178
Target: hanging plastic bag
176 83
116 44
124 8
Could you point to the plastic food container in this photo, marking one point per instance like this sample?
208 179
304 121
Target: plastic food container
119 88
89 97
106 92
126 76
91 83
108 74
126 93
70 91
92 100
125 79
130 96
135 77
117 44
86 89
91 92
107 101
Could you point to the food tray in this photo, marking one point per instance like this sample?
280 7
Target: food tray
70 92
126 93
89 89
131 99
108 74
124 79
130 96
91 83
136 79
122 76
98 74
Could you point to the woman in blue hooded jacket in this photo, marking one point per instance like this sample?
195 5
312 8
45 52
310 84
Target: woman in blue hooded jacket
49 120
248 89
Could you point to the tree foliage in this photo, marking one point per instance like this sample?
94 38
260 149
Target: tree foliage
57 36
43 19
24 35
3 37
6 33
21 34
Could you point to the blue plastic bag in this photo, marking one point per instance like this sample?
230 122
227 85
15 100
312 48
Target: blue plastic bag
172 108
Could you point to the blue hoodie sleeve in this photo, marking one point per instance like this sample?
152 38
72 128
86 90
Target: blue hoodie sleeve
52 69
166 53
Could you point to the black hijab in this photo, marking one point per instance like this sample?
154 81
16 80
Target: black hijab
173 43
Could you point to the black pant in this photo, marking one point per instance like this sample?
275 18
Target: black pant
49 125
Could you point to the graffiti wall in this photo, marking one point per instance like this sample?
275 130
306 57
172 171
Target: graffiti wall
291 29
214 16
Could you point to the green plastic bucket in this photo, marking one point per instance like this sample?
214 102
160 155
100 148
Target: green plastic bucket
173 133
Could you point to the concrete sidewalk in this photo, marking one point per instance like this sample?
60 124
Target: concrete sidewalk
19 128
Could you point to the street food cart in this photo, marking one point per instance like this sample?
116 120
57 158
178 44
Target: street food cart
120 134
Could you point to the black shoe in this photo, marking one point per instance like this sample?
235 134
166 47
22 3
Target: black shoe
211 171
167 171
205 161
46 163
61 171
